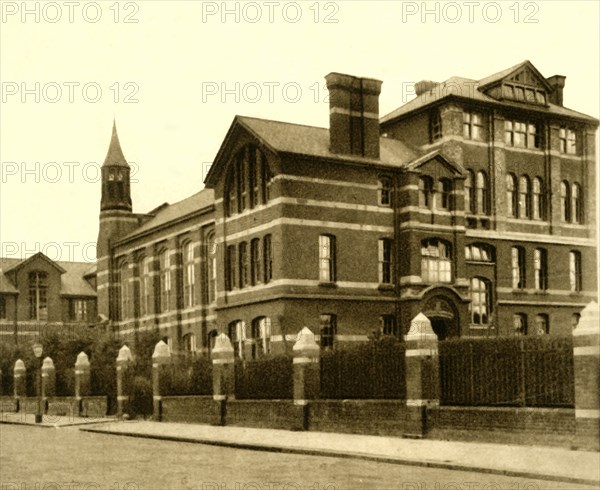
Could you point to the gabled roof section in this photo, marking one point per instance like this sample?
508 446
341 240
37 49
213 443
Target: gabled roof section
436 155
509 73
166 213
313 141
73 282
115 156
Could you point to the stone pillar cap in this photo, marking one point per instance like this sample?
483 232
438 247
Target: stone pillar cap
420 329
306 343
82 360
589 322
222 348
161 352
48 363
19 365
124 354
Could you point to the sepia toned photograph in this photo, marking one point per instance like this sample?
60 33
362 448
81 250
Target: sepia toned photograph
299 245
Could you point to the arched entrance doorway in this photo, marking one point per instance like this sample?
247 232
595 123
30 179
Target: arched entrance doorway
443 316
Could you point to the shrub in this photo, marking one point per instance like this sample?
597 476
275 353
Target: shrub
266 378
188 376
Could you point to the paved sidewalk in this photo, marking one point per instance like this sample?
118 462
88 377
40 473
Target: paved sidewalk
535 462
21 418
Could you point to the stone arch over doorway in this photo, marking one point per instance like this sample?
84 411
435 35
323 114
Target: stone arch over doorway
441 310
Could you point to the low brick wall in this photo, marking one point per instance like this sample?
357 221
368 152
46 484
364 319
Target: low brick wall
191 409
271 414
92 406
549 426
8 404
375 417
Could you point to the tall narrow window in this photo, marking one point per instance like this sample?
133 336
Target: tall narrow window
253 184
472 125
385 191
575 279
482 193
481 305
236 335
540 267
327 258
436 265
146 293
537 204
435 125
469 201
576 203
389 325
568 141
261 337
328 329
231 266
126 310
267 179
189 273
565 201
255 277
267 259
511 195
189 342
78 310
231 192
542 325
524 202
211 256
165 281
2 307
518 267
385 261
241 169
445 193
244 265
38 295
520 324
425 191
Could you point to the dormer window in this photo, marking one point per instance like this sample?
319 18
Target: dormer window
527 94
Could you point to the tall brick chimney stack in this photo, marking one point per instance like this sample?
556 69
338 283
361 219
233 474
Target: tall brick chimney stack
353 115
557 82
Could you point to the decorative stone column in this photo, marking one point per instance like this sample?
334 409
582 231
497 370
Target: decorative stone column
586 356
19 374
123 387
223 374
48 381
306 372
82 380
421 366
161 358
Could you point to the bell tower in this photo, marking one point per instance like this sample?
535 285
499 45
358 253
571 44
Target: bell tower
116 221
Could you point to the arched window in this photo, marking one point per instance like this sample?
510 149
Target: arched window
518 267
445 187
189 342
125 292
524 194
261 336
165 280
436 265
540 269
479 252
565 201
469 198
511 195
482 193
576 203
542 324
425 191
146 293
231 192
255 262
211 254
236 330
384 191
189 275
537 204
328 329
481 304
38 295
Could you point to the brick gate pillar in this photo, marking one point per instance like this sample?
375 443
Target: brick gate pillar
82 380
123 386
161 359
19 383
422 375
586 356
48 381
223 374
306 372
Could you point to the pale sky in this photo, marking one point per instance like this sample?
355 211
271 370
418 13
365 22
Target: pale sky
176 78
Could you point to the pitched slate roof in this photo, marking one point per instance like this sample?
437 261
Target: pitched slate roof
471 89
166 213
314 141
72 280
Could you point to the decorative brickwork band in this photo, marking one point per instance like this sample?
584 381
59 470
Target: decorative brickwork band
422 374
161 359
123 386
586 357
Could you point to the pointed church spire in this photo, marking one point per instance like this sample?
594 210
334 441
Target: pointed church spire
115 153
